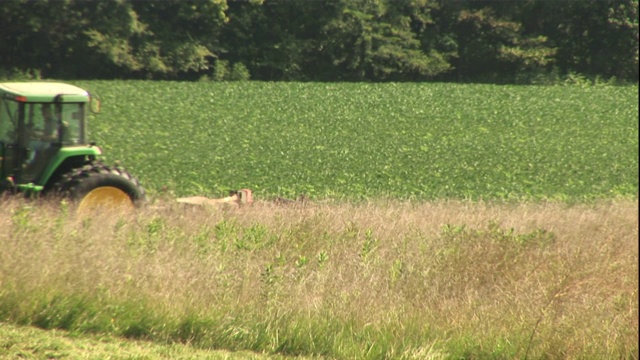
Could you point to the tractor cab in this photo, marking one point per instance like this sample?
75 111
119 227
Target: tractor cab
40 125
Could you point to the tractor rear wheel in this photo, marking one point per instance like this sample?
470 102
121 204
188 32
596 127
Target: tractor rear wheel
97 185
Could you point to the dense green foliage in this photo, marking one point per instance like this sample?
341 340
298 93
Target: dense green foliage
356 140
529 41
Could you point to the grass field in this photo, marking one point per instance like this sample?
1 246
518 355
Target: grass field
396 280
420 141
443 222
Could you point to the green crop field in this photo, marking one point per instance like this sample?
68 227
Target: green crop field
354 141
440 278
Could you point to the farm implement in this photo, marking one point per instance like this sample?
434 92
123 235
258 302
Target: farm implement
239 197
44 151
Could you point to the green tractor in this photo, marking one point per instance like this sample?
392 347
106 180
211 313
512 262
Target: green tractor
44 149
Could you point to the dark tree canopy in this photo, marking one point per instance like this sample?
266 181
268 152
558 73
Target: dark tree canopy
321 40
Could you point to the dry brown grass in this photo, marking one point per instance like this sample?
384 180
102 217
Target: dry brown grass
521 280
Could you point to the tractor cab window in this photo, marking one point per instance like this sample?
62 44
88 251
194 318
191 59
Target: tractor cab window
71 126
59 123
11 155
42 124
8 121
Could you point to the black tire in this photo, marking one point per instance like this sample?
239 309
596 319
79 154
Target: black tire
79 183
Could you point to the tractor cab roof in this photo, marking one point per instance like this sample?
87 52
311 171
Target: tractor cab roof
43 92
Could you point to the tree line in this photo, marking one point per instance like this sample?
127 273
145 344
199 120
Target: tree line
527 41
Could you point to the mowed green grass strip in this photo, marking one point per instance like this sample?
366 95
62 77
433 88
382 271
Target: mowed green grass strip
27 342
357 140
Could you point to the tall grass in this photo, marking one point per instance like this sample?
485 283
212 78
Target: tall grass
378 280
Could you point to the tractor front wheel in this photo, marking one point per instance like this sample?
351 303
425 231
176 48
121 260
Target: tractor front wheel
97 185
